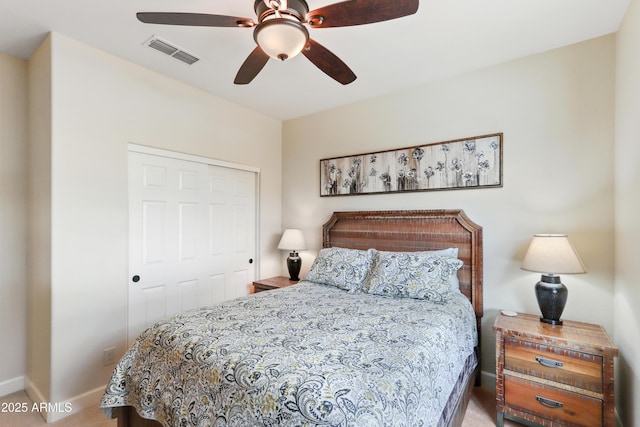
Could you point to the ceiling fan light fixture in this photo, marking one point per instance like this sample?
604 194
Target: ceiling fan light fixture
281 38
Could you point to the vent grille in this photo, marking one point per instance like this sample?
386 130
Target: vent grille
171 50
185 57
163 47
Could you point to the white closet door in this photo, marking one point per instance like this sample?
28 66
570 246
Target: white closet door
192 234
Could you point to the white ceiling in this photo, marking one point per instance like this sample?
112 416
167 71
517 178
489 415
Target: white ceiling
444 37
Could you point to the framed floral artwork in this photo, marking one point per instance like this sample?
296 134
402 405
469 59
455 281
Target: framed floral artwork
474 162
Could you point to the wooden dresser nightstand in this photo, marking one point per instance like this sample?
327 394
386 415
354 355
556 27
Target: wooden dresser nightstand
272 283
553 375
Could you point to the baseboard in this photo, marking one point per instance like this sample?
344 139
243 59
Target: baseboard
34 394
55 411
90 399
11 386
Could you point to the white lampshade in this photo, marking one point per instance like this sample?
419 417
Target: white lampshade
553 254
281 38
292 240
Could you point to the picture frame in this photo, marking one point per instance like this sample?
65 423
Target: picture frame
460 164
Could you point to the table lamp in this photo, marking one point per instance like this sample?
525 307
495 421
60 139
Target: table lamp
293 241
552 254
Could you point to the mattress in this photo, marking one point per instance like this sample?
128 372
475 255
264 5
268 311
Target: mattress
305 355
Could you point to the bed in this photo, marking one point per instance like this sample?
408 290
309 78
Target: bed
321 354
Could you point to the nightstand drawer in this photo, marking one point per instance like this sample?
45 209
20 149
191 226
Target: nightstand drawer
552 403
572 368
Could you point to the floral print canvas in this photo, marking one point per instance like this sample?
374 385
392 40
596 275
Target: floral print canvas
461 164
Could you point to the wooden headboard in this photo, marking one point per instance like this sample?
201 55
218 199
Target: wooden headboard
421 230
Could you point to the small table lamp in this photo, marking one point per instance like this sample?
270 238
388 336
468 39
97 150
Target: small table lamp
293 241
552 254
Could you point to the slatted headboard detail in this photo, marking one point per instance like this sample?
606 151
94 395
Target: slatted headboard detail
415 230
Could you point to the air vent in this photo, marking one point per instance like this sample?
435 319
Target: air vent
163 47
185 57
171 50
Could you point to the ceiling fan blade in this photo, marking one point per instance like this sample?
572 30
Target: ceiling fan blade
251 66
193 19
328 62
359 12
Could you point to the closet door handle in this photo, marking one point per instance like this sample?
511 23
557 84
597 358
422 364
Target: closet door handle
135 278
549 363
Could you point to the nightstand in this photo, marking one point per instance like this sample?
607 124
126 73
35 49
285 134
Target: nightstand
272 283
553 375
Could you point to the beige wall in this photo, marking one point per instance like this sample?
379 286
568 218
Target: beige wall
627 174
13 211
38 379
99 104
556 112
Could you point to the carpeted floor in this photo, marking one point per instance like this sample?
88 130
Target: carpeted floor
480 413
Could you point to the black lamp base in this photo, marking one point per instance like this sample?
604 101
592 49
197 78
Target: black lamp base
552 297
551 321
294 263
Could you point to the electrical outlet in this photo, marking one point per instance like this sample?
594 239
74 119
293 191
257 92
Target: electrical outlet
109 356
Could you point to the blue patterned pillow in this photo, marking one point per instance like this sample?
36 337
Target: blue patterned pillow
341 267
420 275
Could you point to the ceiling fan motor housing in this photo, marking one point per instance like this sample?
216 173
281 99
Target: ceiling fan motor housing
295 8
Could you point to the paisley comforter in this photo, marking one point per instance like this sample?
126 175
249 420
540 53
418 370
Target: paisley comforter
305 355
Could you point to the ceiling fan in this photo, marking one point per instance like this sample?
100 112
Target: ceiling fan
281 31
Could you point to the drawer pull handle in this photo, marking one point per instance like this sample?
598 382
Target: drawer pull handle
549 363
549 403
